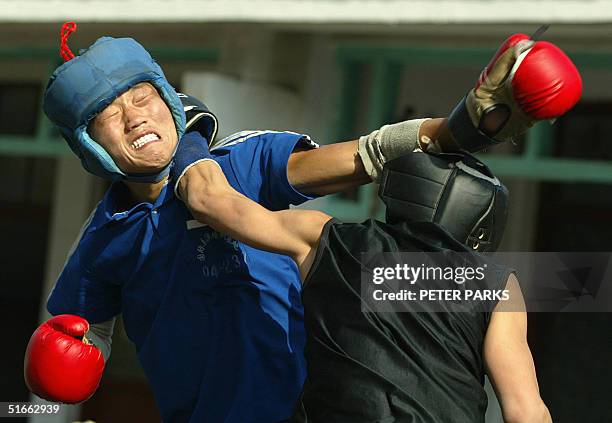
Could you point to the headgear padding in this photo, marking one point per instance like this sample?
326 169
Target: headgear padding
81 88
199 118
456 191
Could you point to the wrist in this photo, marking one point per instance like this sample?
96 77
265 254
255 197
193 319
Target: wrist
465 133
435 136
191 150
196 175
181 188
388 143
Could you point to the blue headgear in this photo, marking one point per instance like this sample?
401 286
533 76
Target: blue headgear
84 86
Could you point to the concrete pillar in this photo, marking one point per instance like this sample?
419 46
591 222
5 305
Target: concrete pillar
258 57
247 54
521 231
71 207
320 105
321 90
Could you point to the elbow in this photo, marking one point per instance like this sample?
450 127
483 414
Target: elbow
533 412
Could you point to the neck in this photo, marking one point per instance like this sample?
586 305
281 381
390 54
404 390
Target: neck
145 192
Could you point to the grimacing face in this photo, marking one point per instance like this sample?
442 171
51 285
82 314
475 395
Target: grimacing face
137 130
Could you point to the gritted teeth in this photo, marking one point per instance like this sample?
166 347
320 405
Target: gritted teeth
145 139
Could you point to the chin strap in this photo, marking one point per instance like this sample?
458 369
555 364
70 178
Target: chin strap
149 178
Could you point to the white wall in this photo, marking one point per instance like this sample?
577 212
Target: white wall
308 11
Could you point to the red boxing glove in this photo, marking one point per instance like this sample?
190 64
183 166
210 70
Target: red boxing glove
526 81
546 84
510 42
60 363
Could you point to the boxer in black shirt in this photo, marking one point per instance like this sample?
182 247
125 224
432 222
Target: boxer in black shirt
366 366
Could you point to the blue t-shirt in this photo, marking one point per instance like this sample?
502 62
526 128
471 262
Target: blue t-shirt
218 325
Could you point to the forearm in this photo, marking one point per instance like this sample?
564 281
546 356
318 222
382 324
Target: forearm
201 184
326 170
294 233
213 201
340 166
517 391
506 347
535 412
234 214
519 394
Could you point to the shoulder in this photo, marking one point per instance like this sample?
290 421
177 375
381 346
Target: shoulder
255 137
340 228
96 220
108 221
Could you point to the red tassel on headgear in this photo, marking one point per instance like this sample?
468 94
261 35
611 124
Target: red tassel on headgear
67 29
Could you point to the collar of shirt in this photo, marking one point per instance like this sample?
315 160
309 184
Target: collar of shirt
112 213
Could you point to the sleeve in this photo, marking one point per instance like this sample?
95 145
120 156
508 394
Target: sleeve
78 291
260 164
322 247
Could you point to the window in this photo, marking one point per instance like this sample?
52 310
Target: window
19 108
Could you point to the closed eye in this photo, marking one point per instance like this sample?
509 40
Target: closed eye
142 98
108 115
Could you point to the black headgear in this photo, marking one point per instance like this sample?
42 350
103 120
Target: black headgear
199 118
456 191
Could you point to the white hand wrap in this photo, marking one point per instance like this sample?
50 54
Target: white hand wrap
388 143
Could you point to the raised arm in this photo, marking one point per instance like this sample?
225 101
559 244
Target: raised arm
525 81
337 167
509 363
213 201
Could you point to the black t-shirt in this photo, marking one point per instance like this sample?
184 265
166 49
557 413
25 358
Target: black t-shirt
386 367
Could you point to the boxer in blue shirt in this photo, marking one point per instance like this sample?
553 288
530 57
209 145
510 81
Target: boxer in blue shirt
217 324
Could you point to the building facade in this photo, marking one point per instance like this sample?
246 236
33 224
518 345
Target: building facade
334 69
